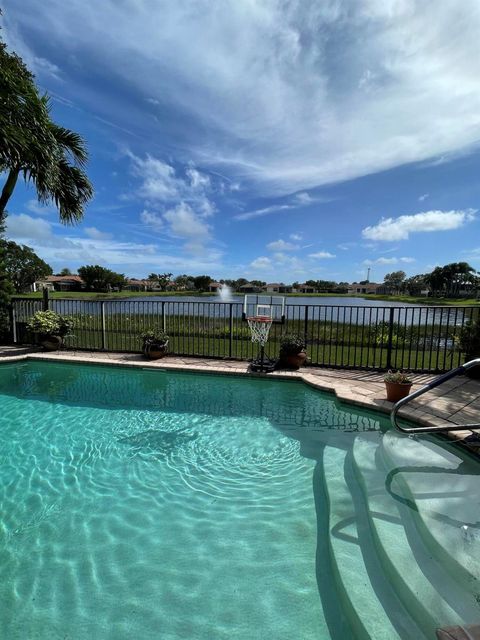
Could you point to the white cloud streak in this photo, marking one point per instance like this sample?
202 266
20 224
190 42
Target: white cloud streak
262 263
133 258
282 245
96 234
393 229
321 255
392 260
291 94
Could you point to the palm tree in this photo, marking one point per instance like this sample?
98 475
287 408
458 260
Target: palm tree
54 163
34 147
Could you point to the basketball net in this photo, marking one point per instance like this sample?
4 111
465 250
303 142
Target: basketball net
260 328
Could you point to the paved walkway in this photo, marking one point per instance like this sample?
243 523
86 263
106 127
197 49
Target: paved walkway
455 402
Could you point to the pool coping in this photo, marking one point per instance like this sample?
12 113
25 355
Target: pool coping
363 392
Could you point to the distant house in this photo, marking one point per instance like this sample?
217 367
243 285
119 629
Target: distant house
59 283
278 287
137 285
213 287
305 288
368 287
248 288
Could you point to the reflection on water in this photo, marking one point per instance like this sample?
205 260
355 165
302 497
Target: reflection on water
288 405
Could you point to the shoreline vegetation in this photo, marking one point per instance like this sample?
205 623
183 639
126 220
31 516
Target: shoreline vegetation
125 295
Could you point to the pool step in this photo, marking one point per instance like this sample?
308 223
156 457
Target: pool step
429 593
351 550
447 515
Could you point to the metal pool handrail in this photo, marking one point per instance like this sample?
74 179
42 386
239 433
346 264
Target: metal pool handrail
428 387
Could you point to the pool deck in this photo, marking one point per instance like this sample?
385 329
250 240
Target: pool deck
456 401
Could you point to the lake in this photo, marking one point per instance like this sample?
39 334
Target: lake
289 300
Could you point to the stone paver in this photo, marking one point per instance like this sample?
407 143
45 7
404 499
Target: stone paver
456 402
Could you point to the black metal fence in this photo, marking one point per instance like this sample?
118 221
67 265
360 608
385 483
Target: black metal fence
367 337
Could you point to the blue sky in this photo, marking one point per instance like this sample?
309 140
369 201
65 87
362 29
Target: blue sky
279 139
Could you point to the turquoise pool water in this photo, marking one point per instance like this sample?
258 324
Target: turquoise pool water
145 504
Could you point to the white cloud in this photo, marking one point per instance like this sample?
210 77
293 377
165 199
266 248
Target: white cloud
96 234
198 179
133 258
257 213
185 223
393 229
296 237
289 94
299 200
158 181
152 220
281 245
176 205
423 197
22 226
321 255
263 263
392 260
304 198
40 209
160 184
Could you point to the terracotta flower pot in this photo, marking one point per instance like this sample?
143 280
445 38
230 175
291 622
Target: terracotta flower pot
155 351
294 361
51 343
396 390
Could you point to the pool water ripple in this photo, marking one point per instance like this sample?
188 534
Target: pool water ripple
146 519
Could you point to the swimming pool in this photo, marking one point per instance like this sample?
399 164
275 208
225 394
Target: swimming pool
148 504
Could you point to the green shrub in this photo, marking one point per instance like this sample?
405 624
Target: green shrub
291 344
49 323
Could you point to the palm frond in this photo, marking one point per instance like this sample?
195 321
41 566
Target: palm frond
70 143
71 192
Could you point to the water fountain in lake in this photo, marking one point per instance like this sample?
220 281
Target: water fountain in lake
225 293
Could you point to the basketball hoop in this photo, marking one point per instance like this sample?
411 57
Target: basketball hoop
260 328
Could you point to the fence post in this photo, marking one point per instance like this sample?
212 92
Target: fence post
305 326
45 299
104 326
390 338
13 323
230 335
163 316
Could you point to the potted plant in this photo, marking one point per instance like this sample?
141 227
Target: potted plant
51 328
469 343
155 343
292 351
397 384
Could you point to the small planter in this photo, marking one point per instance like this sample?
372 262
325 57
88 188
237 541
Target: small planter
397 390
51 343
155 351
294 361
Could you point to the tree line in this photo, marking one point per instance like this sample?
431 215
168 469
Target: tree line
450 281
